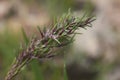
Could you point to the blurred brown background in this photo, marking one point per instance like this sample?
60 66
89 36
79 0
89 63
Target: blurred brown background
95 54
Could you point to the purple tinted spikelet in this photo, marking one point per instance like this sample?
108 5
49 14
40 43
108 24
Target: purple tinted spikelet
49 42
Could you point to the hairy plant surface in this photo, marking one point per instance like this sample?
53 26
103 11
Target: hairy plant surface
58 35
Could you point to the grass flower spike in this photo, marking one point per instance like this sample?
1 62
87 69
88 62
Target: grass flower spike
53 37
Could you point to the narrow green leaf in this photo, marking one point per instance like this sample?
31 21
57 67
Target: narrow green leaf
37 71
65 72
25 36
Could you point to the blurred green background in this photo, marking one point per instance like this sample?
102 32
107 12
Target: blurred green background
95 54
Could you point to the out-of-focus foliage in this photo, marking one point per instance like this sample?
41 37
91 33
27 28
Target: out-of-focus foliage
104 36
8 48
